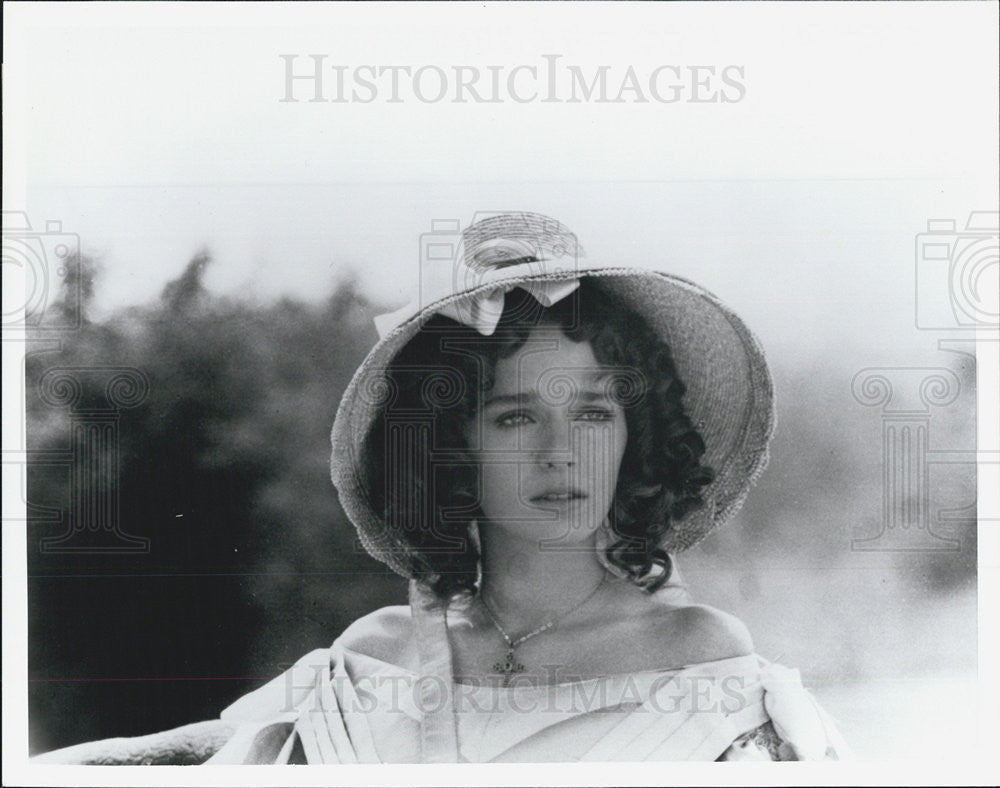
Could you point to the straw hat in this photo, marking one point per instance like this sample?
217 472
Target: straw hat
729 395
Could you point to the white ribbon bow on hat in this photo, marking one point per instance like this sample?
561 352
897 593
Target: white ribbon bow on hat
481 312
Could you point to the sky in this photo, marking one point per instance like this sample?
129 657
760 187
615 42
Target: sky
152 133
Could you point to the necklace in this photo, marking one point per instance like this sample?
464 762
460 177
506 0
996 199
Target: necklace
508 667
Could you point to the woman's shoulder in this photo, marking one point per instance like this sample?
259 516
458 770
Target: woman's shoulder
710 633
691 634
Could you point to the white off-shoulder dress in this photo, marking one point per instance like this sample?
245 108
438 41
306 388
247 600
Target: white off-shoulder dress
339 705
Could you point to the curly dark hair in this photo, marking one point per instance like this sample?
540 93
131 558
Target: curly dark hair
429 496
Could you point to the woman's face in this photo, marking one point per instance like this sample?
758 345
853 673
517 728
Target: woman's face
549 441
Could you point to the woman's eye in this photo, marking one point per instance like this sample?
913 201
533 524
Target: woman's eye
594 415
516 419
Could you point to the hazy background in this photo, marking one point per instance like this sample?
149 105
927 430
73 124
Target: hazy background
224 468
235 249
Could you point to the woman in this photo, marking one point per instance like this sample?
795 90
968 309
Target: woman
528 443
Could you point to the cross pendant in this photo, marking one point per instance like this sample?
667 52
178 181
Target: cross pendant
508 667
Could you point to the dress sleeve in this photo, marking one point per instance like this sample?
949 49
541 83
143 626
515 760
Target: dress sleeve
760 744
264 720
187 745
799 729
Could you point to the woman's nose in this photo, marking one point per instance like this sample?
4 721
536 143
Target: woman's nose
553 444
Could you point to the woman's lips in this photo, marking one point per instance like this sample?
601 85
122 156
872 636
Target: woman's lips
558 497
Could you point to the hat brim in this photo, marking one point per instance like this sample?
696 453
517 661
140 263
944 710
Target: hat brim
729 397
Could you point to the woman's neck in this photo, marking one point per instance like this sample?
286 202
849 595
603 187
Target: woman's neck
527 586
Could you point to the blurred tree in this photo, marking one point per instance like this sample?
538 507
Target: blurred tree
223 467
